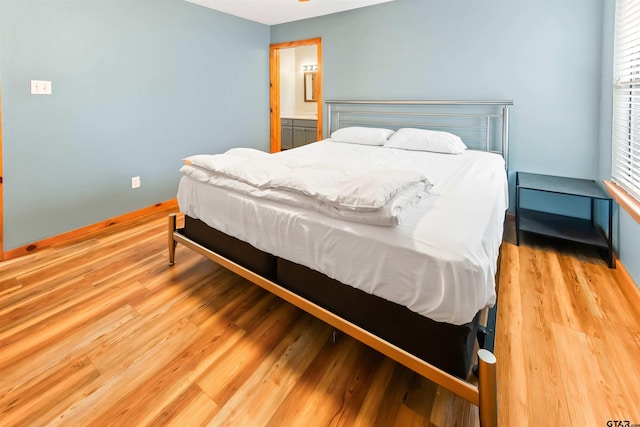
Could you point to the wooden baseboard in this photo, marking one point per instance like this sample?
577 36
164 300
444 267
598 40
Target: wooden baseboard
73 234
631 290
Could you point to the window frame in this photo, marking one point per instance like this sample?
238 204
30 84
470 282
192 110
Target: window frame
625 143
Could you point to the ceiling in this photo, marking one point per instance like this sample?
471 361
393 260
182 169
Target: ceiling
272 12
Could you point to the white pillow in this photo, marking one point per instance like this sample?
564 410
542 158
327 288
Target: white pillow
426 140
362 135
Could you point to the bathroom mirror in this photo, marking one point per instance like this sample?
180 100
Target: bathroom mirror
310 86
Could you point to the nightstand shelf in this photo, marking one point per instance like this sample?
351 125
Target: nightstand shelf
583 231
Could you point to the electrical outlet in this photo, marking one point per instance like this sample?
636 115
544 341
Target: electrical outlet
135 182
40 87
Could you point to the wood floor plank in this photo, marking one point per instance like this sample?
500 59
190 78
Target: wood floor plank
23 294
352 389
511 345
139 339
47 332
172 380
318 394
394 399
617 356
274 377
30 307
43 259
578 383
193 405
100 330
368 414
234 368
113 388
9 286
542 368
48 394
577 309
37 360
450 409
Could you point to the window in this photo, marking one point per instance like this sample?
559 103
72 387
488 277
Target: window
625 155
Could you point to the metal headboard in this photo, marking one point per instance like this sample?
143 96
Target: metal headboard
482 125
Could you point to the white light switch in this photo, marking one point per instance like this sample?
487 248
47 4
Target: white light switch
40 87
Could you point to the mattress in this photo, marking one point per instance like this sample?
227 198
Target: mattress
440 261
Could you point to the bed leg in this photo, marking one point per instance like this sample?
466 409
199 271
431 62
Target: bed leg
488 390
172 242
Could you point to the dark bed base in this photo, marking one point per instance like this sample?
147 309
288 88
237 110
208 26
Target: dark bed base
229 247
449 347
422 345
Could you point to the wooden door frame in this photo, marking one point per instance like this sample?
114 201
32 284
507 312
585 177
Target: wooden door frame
274 86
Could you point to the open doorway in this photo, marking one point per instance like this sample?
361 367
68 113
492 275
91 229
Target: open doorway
303 94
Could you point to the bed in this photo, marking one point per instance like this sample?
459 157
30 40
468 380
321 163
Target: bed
414 283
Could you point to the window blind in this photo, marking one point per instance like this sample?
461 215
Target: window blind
625 156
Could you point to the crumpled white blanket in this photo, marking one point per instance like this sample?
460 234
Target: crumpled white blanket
372 195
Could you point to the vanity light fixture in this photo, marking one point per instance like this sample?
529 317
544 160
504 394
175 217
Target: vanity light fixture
310 67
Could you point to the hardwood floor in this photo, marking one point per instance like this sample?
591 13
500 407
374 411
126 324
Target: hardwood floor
101 331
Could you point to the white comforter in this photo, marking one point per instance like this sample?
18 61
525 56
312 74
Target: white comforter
361 193
440 261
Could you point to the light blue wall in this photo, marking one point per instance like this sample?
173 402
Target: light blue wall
540 53
629 247
137 85
549 56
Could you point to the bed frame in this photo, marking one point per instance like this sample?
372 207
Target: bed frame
441 352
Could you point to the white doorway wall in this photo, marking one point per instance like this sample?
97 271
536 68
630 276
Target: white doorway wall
292 61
